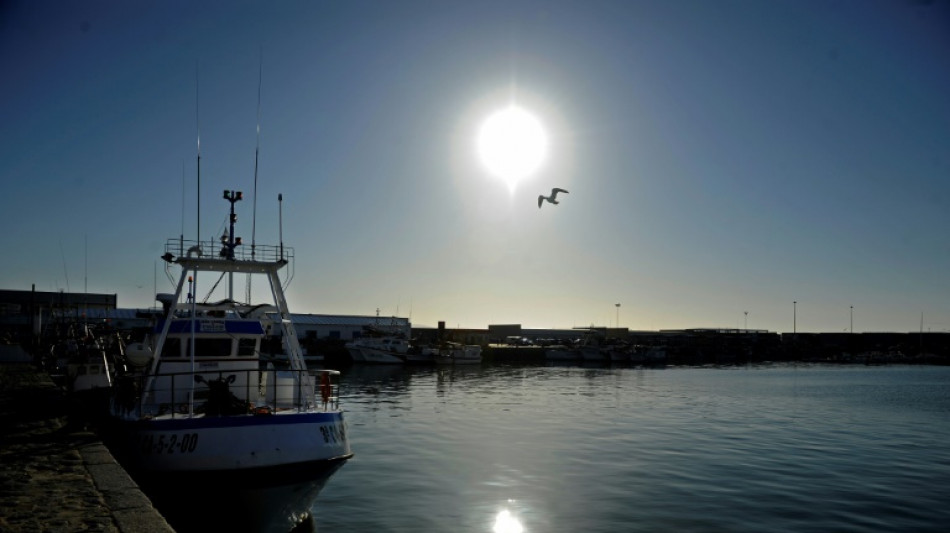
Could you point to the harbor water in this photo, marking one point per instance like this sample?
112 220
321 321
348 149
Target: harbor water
504 449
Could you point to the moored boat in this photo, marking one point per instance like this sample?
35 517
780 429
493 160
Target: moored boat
453 353
421 355
619 354
562 353
208 402
88 365
388 350
592 352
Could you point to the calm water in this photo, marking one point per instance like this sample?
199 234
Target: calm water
550 449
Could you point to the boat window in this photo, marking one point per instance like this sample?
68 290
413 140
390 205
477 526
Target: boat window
210 348
247 346
172 347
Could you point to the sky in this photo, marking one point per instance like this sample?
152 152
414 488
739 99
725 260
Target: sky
775 165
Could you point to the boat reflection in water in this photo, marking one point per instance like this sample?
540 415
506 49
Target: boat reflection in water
233 505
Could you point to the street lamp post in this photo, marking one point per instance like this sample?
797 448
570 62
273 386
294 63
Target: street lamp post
852 319
795 317
746 319
618 315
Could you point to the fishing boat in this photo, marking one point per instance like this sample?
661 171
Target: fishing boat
88 365
562 353
212 400
388 350
421 355
592 349
453 353
380 345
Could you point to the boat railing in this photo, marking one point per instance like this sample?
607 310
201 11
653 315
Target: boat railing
245 252
215 393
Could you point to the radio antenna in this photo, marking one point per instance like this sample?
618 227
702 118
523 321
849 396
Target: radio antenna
257 150
280 220
198 131
65 271
181 237
193 279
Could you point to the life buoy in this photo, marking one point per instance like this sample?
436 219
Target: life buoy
325 387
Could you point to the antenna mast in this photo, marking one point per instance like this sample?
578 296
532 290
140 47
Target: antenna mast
257 150
280 220
198 131
181 236
193 279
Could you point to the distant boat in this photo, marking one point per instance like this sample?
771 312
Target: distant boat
593 352
208 403
591 348
421 355
453 353
620 353
655 355
89 374
385 350
88 366
562 353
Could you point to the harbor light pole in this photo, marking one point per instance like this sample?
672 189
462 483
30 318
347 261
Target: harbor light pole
795 317
852 319
618 315
746 319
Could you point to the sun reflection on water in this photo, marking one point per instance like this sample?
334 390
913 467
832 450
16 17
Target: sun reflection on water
505 522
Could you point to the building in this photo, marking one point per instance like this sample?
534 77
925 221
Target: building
347 327
26 312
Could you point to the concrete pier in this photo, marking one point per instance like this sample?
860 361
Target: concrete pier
55 474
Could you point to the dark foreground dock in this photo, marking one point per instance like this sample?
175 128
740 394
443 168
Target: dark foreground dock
55 474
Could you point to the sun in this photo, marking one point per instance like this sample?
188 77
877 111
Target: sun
512 144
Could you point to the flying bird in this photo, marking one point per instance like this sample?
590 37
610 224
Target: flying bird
552 198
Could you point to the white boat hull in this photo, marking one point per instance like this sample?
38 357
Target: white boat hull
234 443
379 357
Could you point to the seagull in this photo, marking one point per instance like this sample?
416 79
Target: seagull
552 198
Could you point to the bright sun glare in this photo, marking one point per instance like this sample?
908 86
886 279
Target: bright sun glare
512 144
505 522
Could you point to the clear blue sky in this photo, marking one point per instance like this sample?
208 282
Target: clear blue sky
721 156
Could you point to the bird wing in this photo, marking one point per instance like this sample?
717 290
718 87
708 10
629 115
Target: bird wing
557 190
540 201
